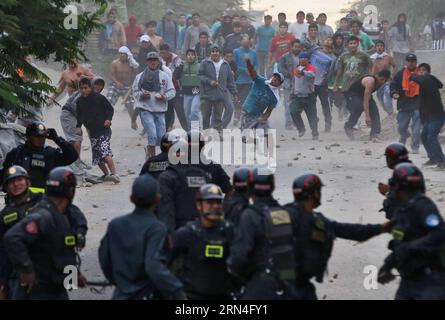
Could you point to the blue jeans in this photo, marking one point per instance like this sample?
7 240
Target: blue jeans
154 124
384 97
430 133
403 120
192 108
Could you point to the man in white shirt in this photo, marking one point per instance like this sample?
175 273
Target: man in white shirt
299 29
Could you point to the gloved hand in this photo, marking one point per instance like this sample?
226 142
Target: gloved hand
385 275
51 134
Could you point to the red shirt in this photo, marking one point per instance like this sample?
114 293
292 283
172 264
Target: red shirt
281 45
132 33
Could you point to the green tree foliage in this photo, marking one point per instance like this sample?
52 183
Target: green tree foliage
36 27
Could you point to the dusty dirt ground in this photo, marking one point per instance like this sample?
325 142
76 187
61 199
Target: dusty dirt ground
350 171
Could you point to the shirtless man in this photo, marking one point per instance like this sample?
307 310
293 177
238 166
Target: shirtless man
70 80
122 72
383 61
156 40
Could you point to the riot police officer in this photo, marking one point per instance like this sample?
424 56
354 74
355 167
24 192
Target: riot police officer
395 153
215 171
315 234
179 184
42 244
204 245
130 254
418 245
20 200
158 164
235 204
37 159
262 254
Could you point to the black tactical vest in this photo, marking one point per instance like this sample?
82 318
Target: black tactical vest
13 213
205 269
38 163
191 178
314 243
280 241
55 249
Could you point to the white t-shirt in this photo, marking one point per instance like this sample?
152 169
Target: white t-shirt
275 90
218 66
299 29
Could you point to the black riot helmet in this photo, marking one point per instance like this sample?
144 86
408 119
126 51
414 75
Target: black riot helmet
209 191
396 153
61 182
306 185
36 129
407 177
241 179
14 172
167 140
261 182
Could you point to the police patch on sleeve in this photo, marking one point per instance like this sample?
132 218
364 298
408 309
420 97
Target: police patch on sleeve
32 228
432 220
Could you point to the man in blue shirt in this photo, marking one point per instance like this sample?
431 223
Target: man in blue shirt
262 99
243 80
264 35
131 252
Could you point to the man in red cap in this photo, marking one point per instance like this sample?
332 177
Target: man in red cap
132 31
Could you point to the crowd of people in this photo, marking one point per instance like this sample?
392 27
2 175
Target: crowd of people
194 234
211 83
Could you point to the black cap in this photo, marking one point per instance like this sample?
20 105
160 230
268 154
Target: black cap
36 129
145 188
411 57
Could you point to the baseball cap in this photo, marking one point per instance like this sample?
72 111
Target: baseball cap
411 57
170 11
279 75
304 55
153 55
215 47
132 17
145 38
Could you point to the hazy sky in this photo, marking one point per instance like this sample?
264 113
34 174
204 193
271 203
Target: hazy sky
291 7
